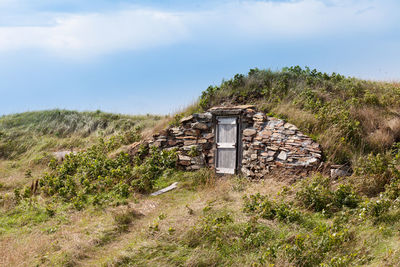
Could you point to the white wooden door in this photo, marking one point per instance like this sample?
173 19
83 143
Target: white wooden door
226 144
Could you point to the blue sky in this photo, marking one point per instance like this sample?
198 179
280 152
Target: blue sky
157 56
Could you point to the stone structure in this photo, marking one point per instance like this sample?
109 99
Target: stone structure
258 143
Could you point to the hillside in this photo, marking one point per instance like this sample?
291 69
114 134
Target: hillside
94 208
347 116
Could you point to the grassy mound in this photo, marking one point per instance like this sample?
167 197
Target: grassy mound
347 116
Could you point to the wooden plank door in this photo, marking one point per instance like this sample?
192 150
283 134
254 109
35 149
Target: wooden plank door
227 130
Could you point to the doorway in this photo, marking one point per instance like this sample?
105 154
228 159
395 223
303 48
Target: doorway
227 145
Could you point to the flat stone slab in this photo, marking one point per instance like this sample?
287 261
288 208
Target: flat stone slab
166 189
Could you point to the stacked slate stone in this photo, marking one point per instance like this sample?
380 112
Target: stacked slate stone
268 143
193 139
271 143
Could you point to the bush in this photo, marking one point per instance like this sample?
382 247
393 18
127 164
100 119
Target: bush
345 196
374 172
315 194
146 174
93 173
267 209
313 249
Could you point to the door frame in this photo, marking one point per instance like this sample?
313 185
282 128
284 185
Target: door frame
229 114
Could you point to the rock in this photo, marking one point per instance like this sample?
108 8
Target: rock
186 119
200 126
266 133
259 117
157 144
60 155
202 141
189 142
172 142
186 137
190 147
258 138
206 115
312 160
195 167
247 172
249 132
207 146
208 135
176 131
184 158
289 132
191 132
282 155
336 173
247 138
184 163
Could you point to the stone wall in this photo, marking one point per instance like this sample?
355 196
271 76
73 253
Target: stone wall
267 143
270 143
194 140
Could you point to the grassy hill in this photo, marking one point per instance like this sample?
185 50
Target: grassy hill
42 130
93 209
27 140
348 116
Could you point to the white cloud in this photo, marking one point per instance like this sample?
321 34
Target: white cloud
142 28
98 33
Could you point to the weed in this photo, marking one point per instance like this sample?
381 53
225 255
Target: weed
315 194
124 218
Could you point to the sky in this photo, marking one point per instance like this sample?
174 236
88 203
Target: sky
157 56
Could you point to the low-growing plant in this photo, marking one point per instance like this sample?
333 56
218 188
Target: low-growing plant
313 249
124 218
176 119
374 172
269 209
316 194
145 175
93 173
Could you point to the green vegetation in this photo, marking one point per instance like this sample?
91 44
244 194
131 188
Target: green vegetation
280 230
357 122
93 207
347 116
33 133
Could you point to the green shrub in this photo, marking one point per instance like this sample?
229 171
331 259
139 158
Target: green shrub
145 175
176 119
345 196
376 171
315 194
313 249
93 173
267 209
